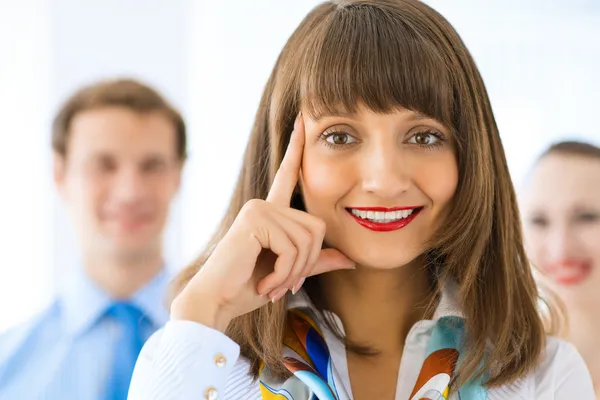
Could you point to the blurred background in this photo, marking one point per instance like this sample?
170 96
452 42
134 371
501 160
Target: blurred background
539 59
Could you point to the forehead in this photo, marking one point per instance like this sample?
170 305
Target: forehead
120 131
564 181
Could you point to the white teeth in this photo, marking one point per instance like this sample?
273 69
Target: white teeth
381 216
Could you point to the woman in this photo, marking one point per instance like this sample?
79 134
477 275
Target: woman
381 257
561 210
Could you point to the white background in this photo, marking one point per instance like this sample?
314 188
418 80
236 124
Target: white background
539 59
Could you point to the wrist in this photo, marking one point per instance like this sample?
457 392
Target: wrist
201 309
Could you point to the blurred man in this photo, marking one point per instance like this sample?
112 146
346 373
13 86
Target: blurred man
119 149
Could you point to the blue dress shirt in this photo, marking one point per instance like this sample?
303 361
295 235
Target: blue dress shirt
66 352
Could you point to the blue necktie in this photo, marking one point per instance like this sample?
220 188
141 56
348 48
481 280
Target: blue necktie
130 321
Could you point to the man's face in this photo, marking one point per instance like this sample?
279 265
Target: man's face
118 179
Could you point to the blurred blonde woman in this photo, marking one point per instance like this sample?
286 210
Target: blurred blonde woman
561 209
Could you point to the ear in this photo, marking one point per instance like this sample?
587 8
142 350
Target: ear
59 171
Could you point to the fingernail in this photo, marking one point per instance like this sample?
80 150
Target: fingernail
298 285
278 295
265 292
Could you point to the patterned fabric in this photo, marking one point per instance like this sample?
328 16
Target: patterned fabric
307 357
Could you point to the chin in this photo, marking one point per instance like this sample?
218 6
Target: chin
382 260
131 252
131 244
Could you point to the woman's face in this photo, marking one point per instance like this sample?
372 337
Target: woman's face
383 183
561 211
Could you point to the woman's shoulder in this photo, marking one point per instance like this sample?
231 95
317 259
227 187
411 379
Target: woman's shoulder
561 374
563 371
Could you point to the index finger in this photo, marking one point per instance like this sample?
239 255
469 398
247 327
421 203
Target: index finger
287 175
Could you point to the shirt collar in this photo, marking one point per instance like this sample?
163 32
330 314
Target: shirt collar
447 306
151 299
83 302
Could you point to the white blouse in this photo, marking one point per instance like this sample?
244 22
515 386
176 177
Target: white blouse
188 361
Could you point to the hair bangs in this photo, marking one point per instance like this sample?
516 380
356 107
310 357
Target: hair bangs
366 56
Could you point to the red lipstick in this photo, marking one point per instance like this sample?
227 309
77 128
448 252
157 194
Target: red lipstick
570 272
384 226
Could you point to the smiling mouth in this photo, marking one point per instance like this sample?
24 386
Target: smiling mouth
570 272
384 219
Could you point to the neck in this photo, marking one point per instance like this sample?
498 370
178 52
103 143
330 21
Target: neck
583 328
122 276
378 308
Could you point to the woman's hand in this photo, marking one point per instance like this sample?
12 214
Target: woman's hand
269 249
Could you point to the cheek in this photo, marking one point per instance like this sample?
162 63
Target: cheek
437 179
161 191
84 193
531 238
590 238
535 240
161 201
324 180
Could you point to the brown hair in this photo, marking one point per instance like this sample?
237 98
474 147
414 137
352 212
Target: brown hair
572 148
126 93
390 54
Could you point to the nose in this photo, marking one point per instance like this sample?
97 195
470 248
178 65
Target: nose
385 172
560 243
128 186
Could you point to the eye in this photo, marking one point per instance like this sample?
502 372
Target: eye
539 221
587 217
337 139
104 164
154 165
427 138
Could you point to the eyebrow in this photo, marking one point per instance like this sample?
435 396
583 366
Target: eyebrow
584 207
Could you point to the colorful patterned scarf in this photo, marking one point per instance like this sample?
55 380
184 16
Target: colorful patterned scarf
307 357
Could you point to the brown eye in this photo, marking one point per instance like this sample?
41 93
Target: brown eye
539 221
338 139
154 165
424 138
427 139
104 164
587 217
